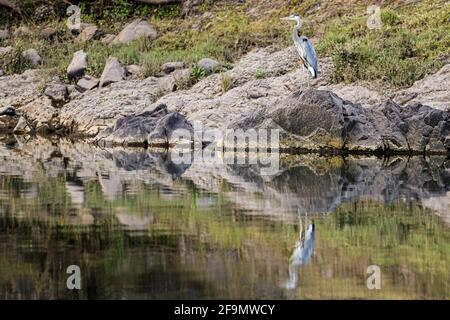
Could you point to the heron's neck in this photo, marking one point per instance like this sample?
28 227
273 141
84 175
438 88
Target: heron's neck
296 32
297 28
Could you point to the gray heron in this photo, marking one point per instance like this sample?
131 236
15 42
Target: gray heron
304 46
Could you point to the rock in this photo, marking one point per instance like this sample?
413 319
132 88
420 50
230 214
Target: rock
89 33
4 34
22 31
433 90
45 116
87 83
48 32
163 133
57 92
134 30
189 6
318 119
153 127
2 73
167 84
6 51
113 72
73 91
8 111
107 38
22 126
71 88
20 89
208 64
78 65
98 109
355 93
32 56
170 67
8 119
134 70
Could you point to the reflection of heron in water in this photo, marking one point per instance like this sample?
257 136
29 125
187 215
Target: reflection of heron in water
302 251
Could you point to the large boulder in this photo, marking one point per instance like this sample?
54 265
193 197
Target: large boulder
154 128
134 30
78 65
113 72
320 120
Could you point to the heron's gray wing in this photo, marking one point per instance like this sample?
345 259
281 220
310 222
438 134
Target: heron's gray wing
309 52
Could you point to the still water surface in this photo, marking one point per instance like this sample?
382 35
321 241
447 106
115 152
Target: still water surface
141 227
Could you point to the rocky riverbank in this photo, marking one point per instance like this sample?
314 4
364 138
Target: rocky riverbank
310 114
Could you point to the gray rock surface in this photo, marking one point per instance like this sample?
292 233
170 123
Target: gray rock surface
4 34
96 110
32 56
107 38
78 65
48 33
318 119
154 128
433 90
170 67
89 33
87 83
134 70
2 73
208 64
43 116
134 30
113 72
57 92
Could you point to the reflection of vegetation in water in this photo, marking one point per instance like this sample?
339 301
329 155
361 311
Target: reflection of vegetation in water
409 244
189 249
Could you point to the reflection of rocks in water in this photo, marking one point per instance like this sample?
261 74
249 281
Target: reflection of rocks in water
320 184
305 183
133 222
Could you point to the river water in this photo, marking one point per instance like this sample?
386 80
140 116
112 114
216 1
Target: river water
141 226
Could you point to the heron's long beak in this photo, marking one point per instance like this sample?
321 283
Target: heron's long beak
286 18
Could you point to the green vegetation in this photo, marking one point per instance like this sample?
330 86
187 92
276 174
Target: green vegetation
413 41
410 45
260 74
226 82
